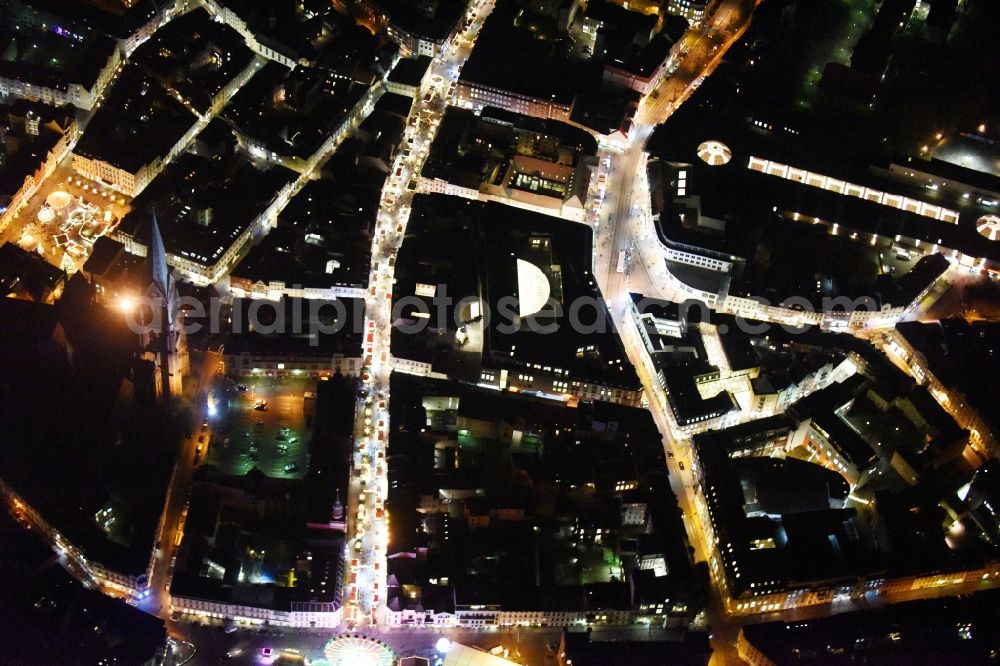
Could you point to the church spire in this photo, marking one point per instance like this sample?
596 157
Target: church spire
158 258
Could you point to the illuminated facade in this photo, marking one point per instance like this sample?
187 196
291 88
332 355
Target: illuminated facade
852 190
471 95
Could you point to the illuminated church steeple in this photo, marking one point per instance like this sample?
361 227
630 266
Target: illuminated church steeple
166 344
158 259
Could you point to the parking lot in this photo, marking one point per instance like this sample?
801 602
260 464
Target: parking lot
265 428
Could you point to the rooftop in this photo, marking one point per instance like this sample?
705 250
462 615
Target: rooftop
194 56
952 629
292 112
26 274
505 52
322 238
138 123
430 19
410 71
55 57
497 237
204 204
552 477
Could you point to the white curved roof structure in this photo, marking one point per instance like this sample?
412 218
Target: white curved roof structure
532 288
714 153
989 226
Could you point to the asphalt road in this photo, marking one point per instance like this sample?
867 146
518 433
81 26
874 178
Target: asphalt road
171 528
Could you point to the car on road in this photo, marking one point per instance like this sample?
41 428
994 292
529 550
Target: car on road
260 405
289 469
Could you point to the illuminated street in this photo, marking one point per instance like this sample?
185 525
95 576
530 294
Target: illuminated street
368 520
785 449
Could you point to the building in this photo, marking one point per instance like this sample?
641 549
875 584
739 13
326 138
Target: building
505 50
929 630
28 276
164 339
295 337
68 64
709 258
73 622
947 359
409 76
79 489
788 538
454 514
692 10
424 27
505 315
582 649
111 150
213 205
539 165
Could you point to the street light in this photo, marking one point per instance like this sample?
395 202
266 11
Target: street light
126 304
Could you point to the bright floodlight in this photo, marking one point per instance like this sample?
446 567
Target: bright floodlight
533 288
357 650
442 645
714 153
989 226
126 304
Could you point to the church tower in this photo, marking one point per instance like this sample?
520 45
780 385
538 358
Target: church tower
167 346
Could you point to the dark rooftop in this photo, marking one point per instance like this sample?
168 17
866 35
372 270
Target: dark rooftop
505 52
327 328
72 467
431 19
410 71
46 57
291 112
138 123
954 630
195 56
27 274
322 238
204 204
